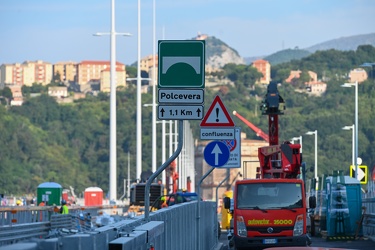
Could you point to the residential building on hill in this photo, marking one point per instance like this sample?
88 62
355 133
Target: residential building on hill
88 71
58 91
316 88
67 71
358 75
263 67
297 74
105 79
17 99
147 65
27 73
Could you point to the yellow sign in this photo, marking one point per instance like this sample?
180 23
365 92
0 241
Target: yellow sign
362 173
269 222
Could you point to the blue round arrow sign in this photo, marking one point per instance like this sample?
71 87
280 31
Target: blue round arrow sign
216 154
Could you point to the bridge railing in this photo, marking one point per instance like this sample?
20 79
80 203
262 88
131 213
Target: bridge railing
11 215
25 222
170 228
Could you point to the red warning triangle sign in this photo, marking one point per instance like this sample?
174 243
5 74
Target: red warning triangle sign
217 115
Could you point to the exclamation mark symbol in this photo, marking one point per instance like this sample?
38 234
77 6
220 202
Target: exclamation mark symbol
217 114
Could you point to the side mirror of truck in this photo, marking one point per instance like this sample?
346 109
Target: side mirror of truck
312 202
226 201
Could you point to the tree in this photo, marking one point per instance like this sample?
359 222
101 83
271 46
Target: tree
7 94
56 78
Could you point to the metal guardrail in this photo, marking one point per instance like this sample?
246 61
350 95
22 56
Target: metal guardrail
15 233
11 215
168 229
26 222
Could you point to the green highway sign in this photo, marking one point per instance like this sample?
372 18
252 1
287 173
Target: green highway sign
181 64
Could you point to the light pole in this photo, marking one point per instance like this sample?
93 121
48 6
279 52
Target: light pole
316 152
355 123
112 129
300 141
153 105
153 88
139 122
139 98
353 141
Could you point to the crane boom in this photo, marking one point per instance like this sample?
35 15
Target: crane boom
257 130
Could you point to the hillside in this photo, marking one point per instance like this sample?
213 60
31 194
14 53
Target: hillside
341 44
69 144
286 56
219 53
344 43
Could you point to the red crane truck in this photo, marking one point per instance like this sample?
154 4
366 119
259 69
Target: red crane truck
271 210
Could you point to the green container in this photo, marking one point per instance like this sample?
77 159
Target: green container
50 193
344 203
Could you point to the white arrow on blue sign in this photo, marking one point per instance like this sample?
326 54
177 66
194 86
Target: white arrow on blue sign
216 154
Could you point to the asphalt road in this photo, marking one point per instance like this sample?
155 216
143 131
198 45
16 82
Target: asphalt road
360 244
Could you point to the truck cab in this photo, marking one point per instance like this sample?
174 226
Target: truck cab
267 213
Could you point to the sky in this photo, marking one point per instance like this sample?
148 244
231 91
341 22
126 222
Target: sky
62 30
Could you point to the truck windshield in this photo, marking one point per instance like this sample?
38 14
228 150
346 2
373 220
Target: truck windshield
269 196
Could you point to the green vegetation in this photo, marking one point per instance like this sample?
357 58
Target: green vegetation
43 141
286 56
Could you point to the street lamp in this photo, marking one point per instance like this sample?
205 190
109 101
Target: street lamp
300 141
154 87
139 98
153 133
316 151
112 130
353 141
355 123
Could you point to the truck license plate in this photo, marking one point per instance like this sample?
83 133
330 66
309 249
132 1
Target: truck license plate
269 241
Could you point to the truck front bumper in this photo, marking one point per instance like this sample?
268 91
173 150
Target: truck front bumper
263 242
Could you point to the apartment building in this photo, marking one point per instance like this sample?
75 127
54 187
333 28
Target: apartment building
105 79
147 65
26 73
37 71
263 67
67 71
91 71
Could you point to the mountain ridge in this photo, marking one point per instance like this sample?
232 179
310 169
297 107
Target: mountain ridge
342 44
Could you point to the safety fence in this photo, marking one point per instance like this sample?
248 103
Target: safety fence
170 228
11 215
25 222
368 223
